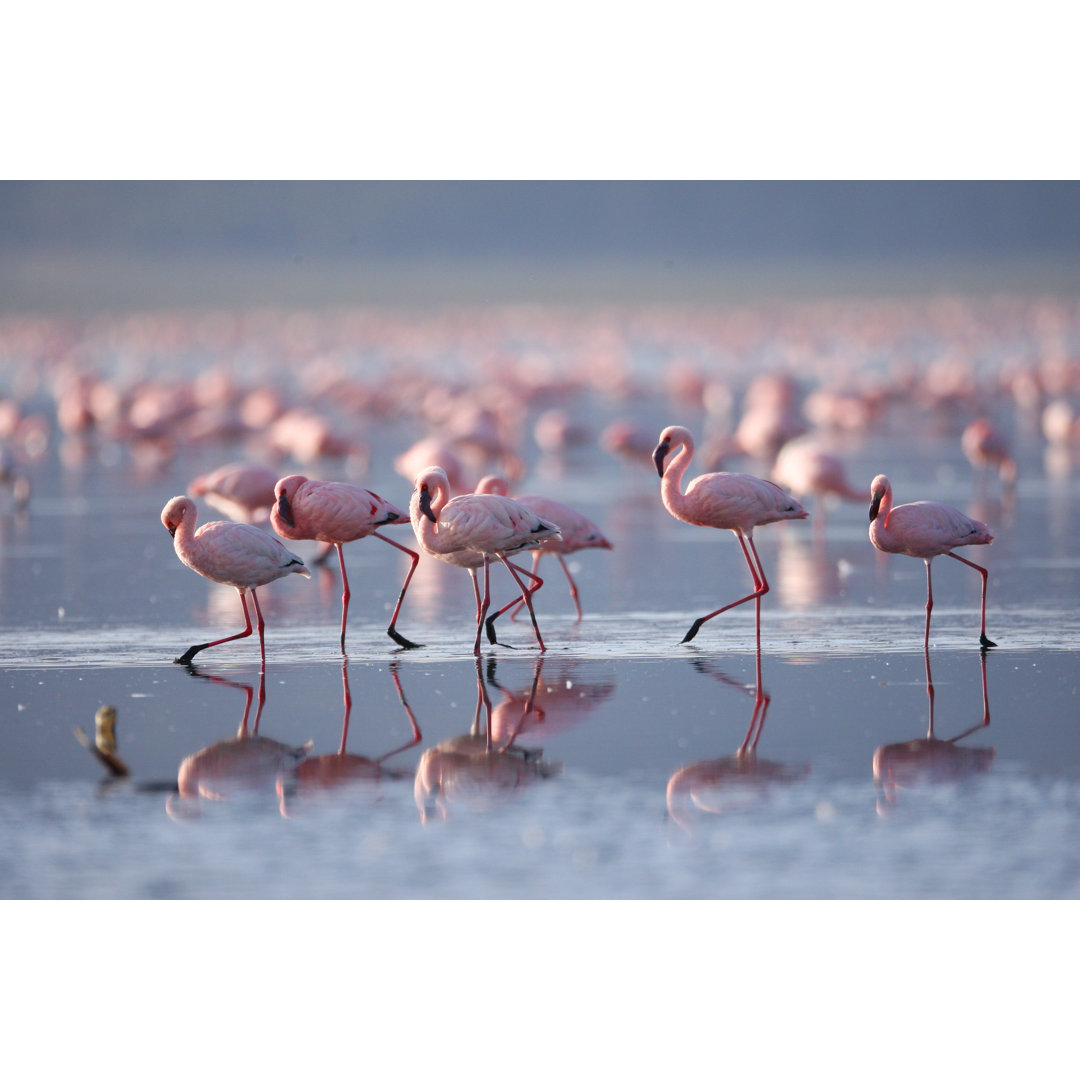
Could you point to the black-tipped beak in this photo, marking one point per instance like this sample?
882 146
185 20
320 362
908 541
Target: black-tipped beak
425 505
659 454
172 530
284 510
874 504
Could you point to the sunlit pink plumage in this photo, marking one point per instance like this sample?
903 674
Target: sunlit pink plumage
492 526
578 532
734 501
231 553
925 530
338 513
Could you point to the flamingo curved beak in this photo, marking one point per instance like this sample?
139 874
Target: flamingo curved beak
425 505
659 454
874 504
284 510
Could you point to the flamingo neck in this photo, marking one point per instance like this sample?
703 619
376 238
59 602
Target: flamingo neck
671 482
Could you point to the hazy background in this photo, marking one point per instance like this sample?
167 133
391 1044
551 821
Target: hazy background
70 244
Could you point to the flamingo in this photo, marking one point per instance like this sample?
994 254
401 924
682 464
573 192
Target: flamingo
578 532
240 491
987 447
805 467
492 526
924 530
337 513
735 501
232 553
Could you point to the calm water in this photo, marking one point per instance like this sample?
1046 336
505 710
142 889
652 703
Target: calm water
624 778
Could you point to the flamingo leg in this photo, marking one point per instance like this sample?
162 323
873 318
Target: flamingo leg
404 642
929 605
485 604
526 594
345 593
246 632
573 585
517 601
984 641
761 587
348 704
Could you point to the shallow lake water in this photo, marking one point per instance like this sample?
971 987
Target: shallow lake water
636 767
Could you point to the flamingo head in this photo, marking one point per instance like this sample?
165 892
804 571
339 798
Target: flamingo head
284 492
174 512
878 490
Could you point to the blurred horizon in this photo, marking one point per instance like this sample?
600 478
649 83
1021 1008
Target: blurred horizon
85 243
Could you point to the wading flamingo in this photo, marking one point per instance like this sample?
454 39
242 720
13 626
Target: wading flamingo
231 553
492 526
578 532
337 513
735 501
924 530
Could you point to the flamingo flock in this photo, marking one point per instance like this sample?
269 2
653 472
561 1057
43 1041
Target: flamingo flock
780 393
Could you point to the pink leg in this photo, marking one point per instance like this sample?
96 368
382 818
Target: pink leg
526 594
262 626
929 605
246 632
984 641
573 585
761 587
345 593
485 604
404 642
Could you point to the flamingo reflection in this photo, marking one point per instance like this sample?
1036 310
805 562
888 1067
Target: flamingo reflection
906 765
248 763
356 772
735 783
478 771
546 704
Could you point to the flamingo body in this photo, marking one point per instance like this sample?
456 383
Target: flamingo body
231 553
924 530
337 513
735 501
806 468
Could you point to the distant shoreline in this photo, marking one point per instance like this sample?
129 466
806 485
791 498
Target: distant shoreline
82 283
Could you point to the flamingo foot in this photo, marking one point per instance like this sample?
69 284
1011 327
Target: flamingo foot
692 632
490 624
986 643
188 656
404 642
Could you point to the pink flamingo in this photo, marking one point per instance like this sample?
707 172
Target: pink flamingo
986 447
578 532
231 553
924 530
240 491
492 526
805 467
722 500
337 513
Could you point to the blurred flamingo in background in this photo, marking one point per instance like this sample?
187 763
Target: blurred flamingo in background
735 501
231 553
806 468
338 513
925 530
987 448
241 491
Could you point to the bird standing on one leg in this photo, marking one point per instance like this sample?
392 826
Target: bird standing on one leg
230 553
735 501
925 530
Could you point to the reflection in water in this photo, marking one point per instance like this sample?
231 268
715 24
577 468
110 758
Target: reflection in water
479 771
806 574
546 704
730 784
248 763
901 766
359 774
